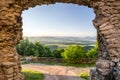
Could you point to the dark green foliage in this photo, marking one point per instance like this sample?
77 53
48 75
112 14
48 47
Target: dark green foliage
47 52
74 53
57 53
27 48
87 47
23 46
52 47
39 49
93 53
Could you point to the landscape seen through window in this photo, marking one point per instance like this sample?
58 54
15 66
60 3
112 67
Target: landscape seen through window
59 42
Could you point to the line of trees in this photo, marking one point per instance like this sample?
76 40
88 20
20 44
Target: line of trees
73 52
27 48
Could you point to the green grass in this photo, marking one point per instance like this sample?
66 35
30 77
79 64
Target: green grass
85 75
70 64
26 62
77 65
32 75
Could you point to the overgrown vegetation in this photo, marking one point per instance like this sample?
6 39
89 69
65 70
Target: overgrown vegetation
27 48
93 53
57 53
72 54
32 75
85 75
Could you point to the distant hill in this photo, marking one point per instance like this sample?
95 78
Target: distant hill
64 40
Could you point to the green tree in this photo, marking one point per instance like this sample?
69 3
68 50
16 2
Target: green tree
93 53
74 53
27 48
57 53
47 52
33 49
39 49
22 46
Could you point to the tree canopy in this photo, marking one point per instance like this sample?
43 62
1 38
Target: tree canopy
27 48
74 52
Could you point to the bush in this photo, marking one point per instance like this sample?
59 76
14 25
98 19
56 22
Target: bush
47 52
23 46
93 53
57 53
27 48
85 75
74 53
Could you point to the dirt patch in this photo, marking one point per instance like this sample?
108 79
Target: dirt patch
55 72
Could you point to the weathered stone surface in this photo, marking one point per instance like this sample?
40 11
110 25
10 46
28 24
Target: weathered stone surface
103 67
107 23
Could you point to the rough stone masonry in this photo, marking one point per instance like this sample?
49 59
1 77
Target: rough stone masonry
107 23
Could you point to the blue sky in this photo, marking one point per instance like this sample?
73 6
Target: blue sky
58 20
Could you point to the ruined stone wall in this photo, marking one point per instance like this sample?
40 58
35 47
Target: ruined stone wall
107 23
10 34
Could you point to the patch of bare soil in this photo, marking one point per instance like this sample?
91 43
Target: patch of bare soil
56 72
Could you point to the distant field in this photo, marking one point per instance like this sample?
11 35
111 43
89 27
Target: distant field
55 46
63 42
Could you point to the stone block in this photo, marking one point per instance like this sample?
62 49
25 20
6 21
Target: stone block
8 70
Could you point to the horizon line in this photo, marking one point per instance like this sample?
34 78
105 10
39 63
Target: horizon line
60 36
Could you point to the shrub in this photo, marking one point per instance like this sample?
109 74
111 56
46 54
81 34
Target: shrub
85 75
23 46
27 48
57 53
47 52
74 53
93 53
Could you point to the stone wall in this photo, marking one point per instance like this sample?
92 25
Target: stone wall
107 23
10 35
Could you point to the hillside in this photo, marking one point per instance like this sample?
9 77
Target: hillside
64 40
